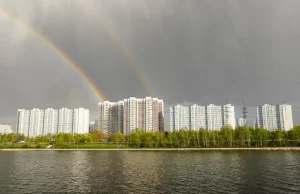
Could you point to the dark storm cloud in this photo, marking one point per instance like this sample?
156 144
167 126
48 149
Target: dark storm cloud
200 51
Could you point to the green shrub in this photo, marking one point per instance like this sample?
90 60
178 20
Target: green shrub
25 146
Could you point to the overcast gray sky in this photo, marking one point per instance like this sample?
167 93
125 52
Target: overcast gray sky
195 51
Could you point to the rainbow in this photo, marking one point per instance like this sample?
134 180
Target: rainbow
125 53
58 51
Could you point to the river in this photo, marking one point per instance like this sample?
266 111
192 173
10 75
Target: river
150 171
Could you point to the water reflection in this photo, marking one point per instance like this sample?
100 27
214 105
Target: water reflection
143 170
150 171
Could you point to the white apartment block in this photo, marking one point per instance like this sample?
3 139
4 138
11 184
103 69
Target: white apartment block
110 116
65 120
228 115
23 121
36 124
180 117
275 117
214 117
41 122
93 125
210 117
80 121
132 113
197 114
50 121
241 122
5 129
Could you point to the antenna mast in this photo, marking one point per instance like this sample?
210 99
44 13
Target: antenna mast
245 112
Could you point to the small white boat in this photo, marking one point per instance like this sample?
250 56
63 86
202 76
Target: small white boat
49 146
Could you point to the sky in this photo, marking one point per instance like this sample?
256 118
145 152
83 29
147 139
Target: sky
194 51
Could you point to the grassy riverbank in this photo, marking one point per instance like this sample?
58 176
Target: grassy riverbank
157 149
114 146
67 146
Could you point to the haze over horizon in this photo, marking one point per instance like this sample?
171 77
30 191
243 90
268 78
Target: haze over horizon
194 51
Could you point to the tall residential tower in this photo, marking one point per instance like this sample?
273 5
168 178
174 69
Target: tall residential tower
132 113
41 122
275 117
210 117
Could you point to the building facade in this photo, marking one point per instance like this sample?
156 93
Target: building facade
241 122
132 113
41 122
275 117
23 121
50 121
210 117
110 116
5 129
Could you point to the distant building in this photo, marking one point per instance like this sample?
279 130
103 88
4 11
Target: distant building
180 117
275 117
210 117
132 113
50 121
5 129
23 121
36 122
41 122
110 116
93 125
241 122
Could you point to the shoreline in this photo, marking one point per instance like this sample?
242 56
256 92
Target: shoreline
155 149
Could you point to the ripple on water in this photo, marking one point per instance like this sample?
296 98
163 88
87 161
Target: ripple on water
150 171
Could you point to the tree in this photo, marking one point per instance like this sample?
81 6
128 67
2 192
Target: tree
227 133
120 137
112 137
183 137
161 139
38 139
146 139
170 138
98 135
294 135
67 138
242 136
134 138
204 137
89 138
59 140
11 137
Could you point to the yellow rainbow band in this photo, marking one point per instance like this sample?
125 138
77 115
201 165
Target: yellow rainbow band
58 51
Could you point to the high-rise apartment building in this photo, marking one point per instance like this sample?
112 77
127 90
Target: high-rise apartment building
180 117
66 120
41 122
228 114
275 117
50 121
110 116
198 119
241 122
130 114
23 121
36 122
81 118
210 117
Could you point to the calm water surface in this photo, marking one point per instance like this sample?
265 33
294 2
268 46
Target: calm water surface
150 171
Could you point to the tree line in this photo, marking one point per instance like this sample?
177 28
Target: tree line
225 137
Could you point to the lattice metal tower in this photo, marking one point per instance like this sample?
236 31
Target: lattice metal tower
245 112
